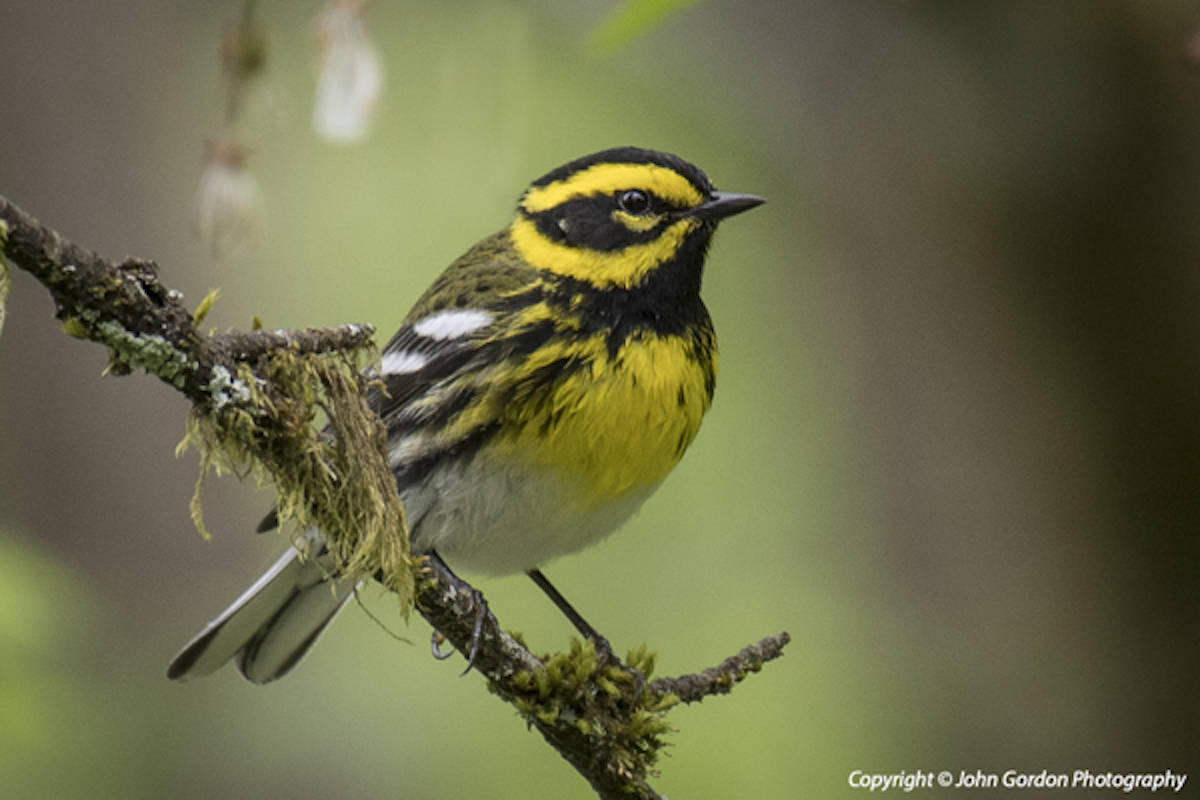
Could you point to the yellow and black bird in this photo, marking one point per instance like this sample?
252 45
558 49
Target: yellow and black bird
536 394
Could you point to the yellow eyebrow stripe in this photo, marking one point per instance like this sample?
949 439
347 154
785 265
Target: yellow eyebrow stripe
603 179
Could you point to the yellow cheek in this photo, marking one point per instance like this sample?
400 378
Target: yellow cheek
616 269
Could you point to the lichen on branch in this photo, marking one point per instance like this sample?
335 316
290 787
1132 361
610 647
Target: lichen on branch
257 397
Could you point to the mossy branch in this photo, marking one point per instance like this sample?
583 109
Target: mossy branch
729 673
255 396
256 400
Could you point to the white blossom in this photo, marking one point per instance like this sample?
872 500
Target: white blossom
349 73
228 199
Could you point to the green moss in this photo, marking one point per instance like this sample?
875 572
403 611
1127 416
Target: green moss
205 306
599 701
263 422
72 327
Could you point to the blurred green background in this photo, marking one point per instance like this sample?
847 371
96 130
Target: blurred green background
954 449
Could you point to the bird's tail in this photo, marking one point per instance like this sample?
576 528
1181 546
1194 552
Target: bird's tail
271 626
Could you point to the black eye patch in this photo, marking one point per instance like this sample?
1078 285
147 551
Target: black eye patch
587 222
633 201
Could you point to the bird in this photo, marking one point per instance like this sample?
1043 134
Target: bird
535 396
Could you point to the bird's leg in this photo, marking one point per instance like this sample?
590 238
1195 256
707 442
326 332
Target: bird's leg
603 648
569 611
478 605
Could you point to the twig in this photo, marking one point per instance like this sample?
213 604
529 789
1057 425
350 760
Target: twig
237 346
721 679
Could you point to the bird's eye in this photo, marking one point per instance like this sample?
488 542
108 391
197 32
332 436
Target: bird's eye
634 201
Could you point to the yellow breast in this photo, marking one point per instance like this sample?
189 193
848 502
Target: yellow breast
621 422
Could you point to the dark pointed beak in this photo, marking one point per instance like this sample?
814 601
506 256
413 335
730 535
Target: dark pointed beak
725 204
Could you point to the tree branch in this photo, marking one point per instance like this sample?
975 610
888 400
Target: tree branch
722 678
255 397
144 324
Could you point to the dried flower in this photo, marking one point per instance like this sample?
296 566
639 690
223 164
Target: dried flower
349 73
228 199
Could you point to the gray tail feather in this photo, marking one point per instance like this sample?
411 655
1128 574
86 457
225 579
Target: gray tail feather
271 626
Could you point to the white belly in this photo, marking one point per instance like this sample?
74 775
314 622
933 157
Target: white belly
498 517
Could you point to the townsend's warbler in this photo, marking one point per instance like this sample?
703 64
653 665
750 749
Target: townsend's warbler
536 395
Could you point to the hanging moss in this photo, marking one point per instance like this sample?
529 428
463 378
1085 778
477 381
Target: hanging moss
263 422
